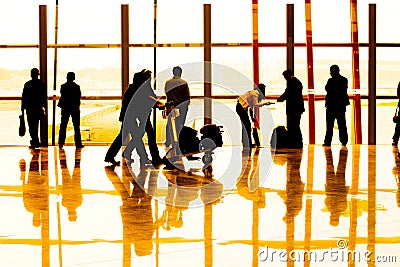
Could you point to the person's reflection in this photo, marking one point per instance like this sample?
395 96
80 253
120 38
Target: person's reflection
183 188
136 209
247 183
293 197
335 187
35 194
396 173
71 185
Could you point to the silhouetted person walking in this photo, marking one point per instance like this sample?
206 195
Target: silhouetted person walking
177 91
127 126
397 128
247 102
34 102
294 108
69 103
139 113
336 101
335 187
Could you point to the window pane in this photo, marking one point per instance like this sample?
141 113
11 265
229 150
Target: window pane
20 22
89 21
235 72
272 21
331 21
179 21
97 70
14 73
231 21
189 59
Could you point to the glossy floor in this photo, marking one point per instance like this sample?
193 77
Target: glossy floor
67 208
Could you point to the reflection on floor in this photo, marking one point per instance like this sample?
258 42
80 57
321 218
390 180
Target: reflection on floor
310 207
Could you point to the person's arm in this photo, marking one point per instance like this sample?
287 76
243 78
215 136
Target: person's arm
23 99
398 90
345 90
186 91
282 97
44 98
80 95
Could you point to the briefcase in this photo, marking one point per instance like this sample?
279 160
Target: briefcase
22 128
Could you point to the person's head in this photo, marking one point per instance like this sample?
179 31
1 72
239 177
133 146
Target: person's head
334 219
70 76
334 69
146 74
177 71
72 216
287 74
35 73
36 220
261 89
143 247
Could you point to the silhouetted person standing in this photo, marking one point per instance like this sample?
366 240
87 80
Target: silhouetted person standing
397 129
177 91
247 102
138 80
69 103
335 187
336 101
294 108
34 102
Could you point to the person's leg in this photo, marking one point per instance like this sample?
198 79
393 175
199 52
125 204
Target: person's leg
341 121
295 137
33 124
114 148
63 127
76 120
246 125
151 137
180 120
167 134
396 134
137 142
330 120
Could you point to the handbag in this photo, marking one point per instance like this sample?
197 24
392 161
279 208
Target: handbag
396 118
22 128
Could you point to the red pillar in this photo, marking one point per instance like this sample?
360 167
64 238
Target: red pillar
256 63
310 73
356 72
